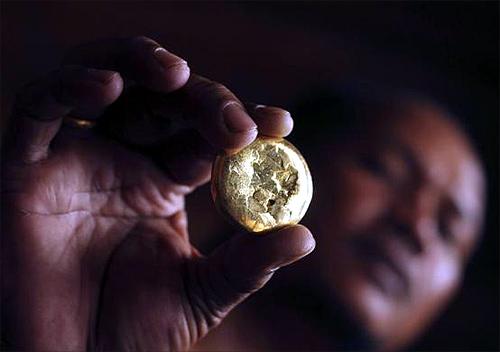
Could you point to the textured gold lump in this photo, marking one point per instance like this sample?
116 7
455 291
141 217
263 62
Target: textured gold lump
261 185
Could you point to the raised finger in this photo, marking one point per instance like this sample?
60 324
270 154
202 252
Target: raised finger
140 59
41 105
271 121
218 114
240 267
187 158
144 118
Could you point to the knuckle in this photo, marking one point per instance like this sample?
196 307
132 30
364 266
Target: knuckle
142 41
220 89
213 91
199 84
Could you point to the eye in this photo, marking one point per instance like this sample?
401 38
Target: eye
444 228
375 166
447 221
388 165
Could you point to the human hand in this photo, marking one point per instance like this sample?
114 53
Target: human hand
95 248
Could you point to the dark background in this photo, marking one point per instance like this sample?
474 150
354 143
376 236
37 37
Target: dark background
274 52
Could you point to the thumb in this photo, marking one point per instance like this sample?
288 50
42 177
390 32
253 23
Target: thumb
241 266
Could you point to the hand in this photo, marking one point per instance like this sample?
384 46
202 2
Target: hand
95 247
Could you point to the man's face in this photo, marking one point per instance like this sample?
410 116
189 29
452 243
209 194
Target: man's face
400 211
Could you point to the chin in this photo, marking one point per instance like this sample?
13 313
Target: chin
374 311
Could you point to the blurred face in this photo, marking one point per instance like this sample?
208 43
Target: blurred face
401 209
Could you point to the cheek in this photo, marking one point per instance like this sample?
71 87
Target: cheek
442 277
358 199
352 203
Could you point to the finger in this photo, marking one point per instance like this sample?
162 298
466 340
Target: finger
145 118
186 158
271 121
218 114
242 266
142 118
139 58
40 106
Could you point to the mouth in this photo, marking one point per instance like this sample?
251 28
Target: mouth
381 267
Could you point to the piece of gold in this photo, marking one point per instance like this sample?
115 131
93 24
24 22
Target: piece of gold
78 122
264 186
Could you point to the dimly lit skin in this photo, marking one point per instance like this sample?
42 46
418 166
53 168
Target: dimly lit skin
408 203
95 248
397 212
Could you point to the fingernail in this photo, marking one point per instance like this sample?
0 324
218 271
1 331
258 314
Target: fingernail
271 111
101 76
311 247
167 59
236 118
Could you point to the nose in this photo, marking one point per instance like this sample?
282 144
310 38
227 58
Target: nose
414 216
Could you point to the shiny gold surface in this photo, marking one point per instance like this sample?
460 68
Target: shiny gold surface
265 185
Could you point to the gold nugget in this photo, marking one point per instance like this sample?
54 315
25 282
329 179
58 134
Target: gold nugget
264 186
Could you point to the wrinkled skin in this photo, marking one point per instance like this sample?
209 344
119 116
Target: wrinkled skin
95 247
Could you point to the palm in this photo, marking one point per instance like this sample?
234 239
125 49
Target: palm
94 195
95 249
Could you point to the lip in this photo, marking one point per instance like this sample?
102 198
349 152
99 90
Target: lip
383 267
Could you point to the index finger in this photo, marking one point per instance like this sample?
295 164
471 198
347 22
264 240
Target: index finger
140 59
217 113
